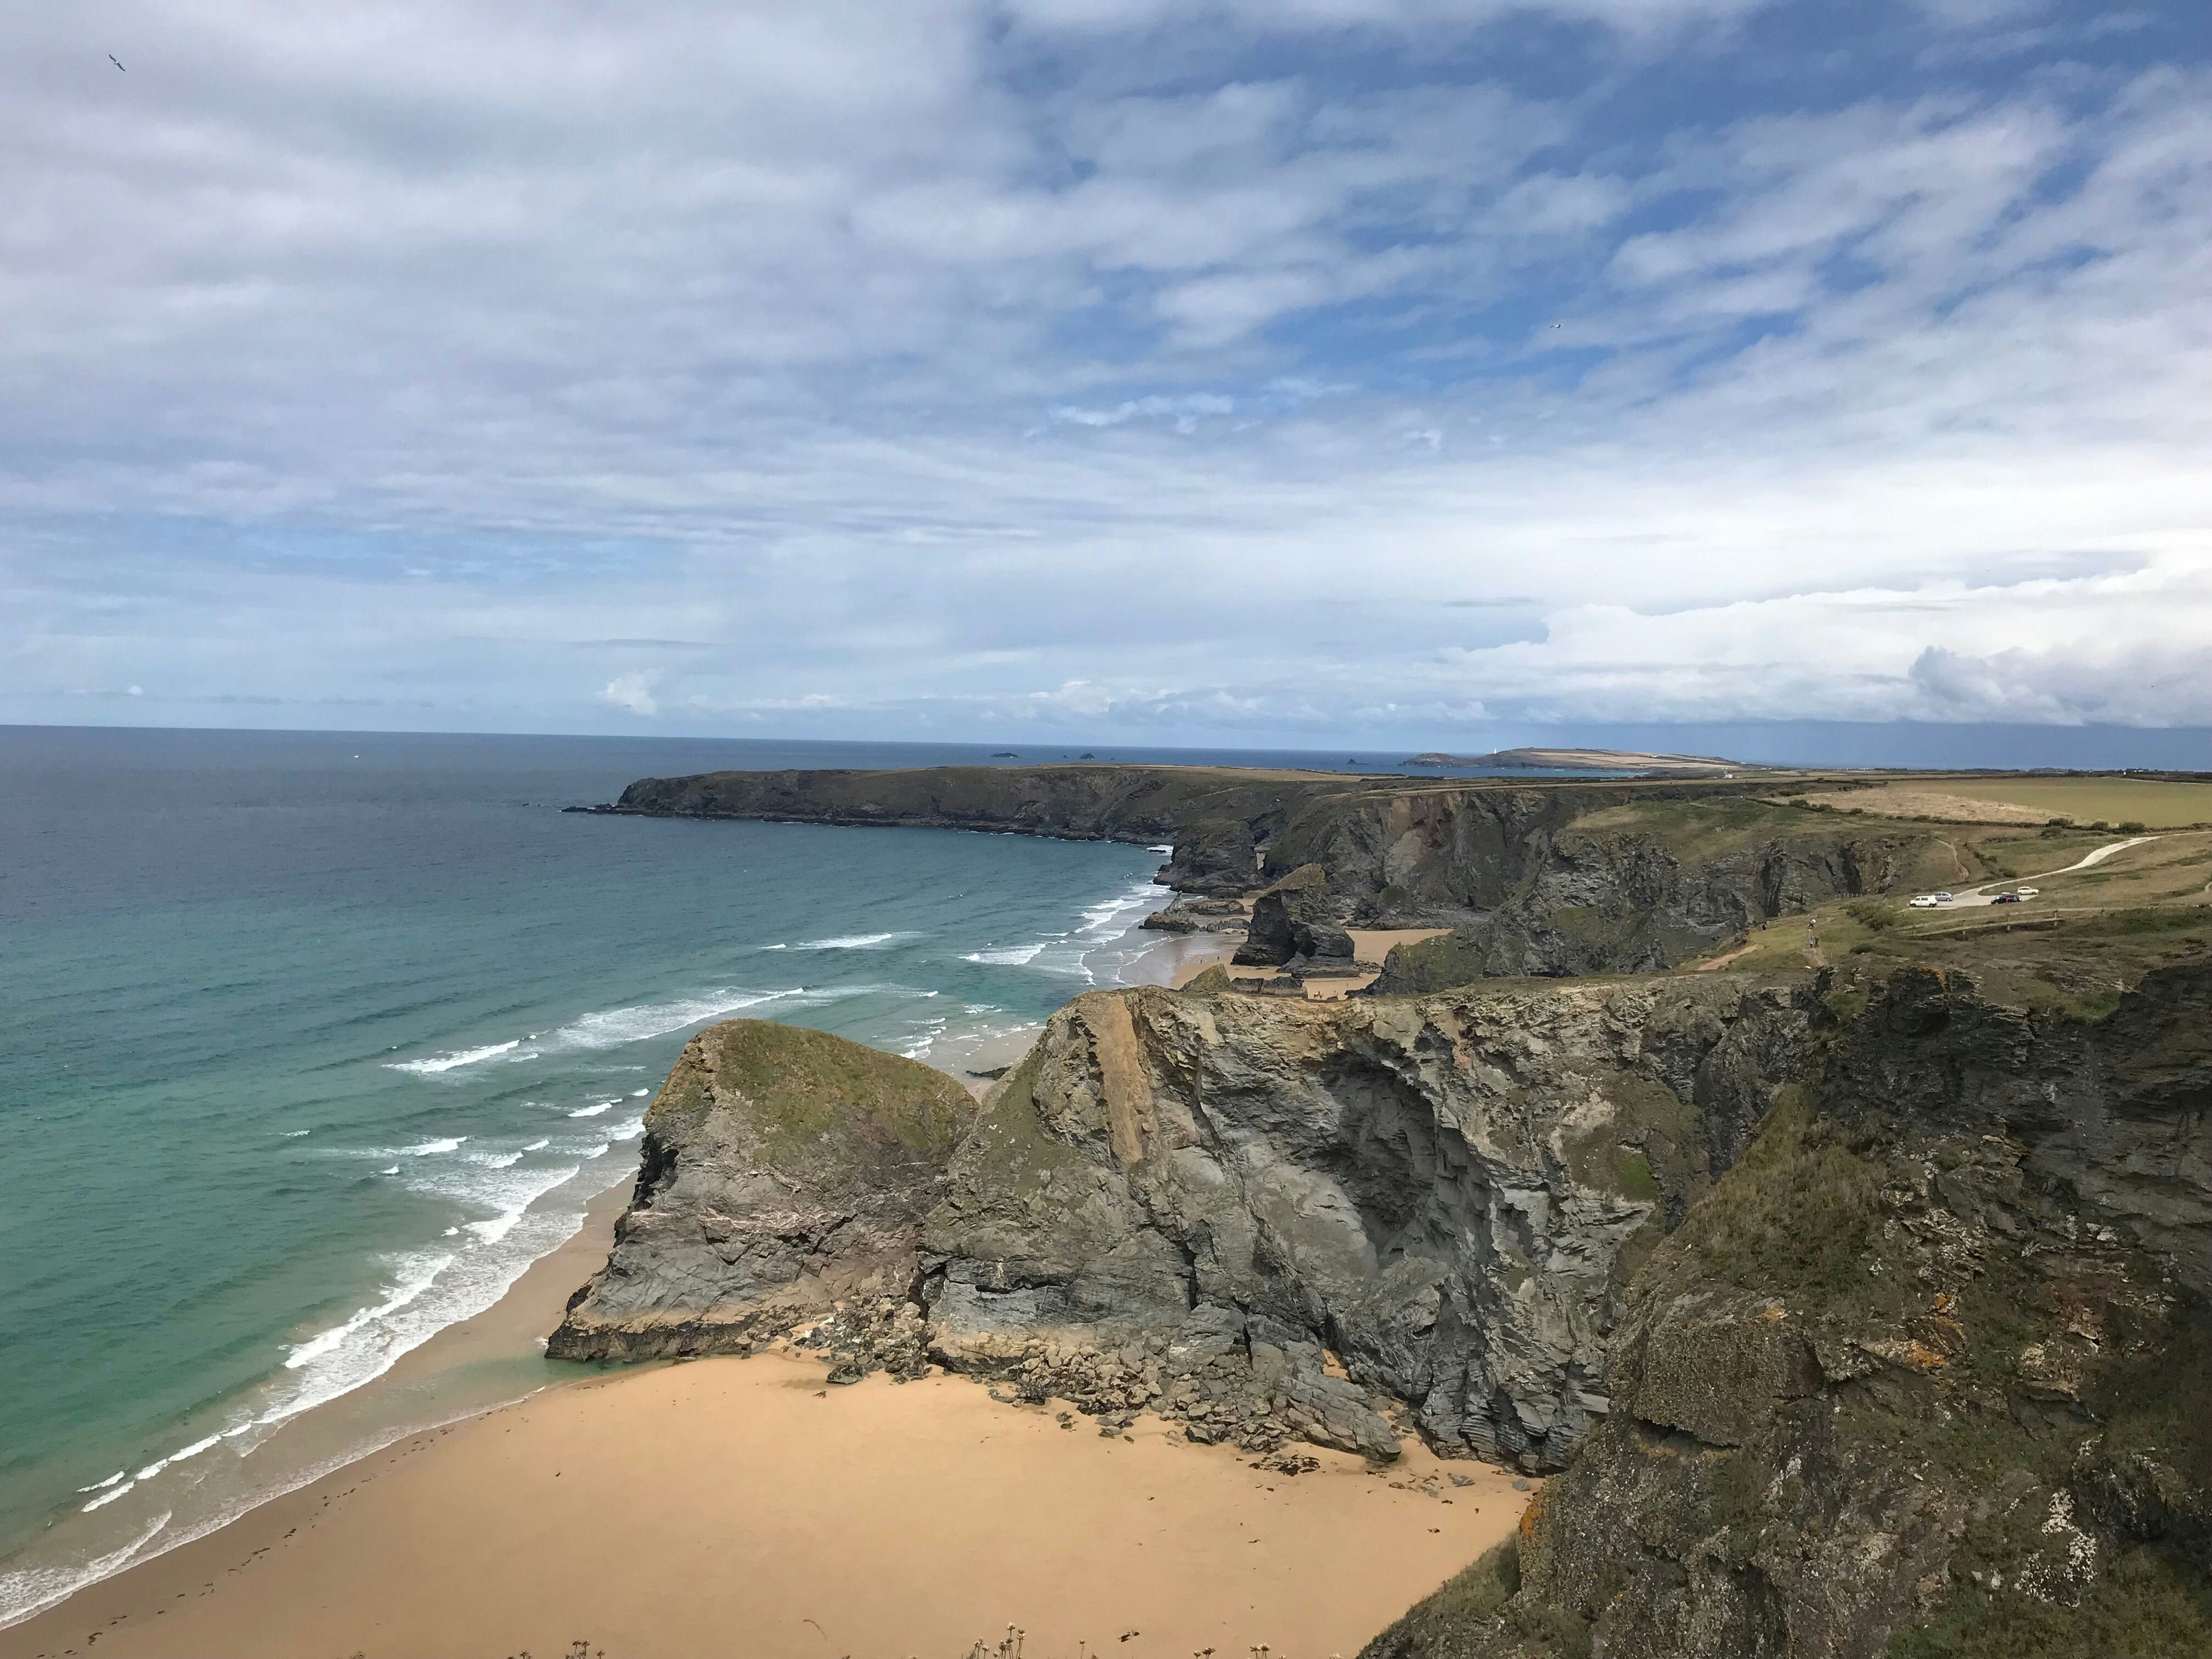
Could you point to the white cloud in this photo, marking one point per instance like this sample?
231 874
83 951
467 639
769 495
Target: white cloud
633 692
879 350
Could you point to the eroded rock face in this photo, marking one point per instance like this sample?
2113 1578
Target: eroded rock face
1269 1216
1935 1354
1295 922
784 1170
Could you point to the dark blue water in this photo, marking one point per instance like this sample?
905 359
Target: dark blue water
313 1042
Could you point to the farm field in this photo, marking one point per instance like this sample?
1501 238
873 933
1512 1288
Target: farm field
2153 804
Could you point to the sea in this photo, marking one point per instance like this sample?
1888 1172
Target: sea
311 1042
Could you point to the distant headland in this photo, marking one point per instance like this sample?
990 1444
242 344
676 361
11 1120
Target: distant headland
1591 760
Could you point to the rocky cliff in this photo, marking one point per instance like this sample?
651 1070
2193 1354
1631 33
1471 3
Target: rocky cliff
1534 878
1266 1218
1642 886
1261 1215
785 1171
1926 1373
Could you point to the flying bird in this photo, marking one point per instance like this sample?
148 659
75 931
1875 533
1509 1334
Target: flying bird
118 62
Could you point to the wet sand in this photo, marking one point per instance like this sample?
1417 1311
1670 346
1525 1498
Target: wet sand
740 1506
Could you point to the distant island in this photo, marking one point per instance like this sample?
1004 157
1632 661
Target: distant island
1591 760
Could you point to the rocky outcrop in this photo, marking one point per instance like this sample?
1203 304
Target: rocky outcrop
1294 925
1199 916
1536 878
1214 858
1216 815
1929 1365
1266 1216
785 1171
1641 890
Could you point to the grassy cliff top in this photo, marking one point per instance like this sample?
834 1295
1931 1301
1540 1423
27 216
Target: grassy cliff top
804 1096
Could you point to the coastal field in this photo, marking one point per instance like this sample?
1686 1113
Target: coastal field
2153 803
741 1507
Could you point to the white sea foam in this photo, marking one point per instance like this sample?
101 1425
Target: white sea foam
394 1170
854 942
593 1111
26 1592
537 1146
422 1274
438 1063
498 1160
107 1497
1008 956
293 1134
612 1027
434 1148
429 1291
160 1463
102 1486
640 1094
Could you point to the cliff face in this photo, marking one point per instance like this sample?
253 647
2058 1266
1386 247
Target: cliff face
1645 887
1267 1219
1083 803
1929 1367
1209 1205
784 1170
1534 878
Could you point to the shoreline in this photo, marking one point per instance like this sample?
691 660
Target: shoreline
331 1446
480 1365
489 1360
655 1510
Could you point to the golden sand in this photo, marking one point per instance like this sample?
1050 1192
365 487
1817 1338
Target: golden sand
741 1507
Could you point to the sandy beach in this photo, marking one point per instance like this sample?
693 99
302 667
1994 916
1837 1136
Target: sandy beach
743 1506
739 1506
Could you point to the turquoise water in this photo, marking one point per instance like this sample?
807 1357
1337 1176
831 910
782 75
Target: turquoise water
314 1042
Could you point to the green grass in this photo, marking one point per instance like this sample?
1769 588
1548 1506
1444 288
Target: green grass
810 1095
1795 1217
2147 1606
1698 830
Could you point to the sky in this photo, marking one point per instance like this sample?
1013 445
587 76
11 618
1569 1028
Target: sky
1270 372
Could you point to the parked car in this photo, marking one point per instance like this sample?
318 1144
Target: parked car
1943 898
1924 902
2029 892
2006 898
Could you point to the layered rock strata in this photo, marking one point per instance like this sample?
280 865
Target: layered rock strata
1929 1366
785 1172
1295 924
1264 1218
1209 1205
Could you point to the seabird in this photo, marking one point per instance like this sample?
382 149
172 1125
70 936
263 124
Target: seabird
118 62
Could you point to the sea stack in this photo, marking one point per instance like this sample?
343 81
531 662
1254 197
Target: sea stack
784 1172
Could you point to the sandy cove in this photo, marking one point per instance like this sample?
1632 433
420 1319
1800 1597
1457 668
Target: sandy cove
740 1507
743 1507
